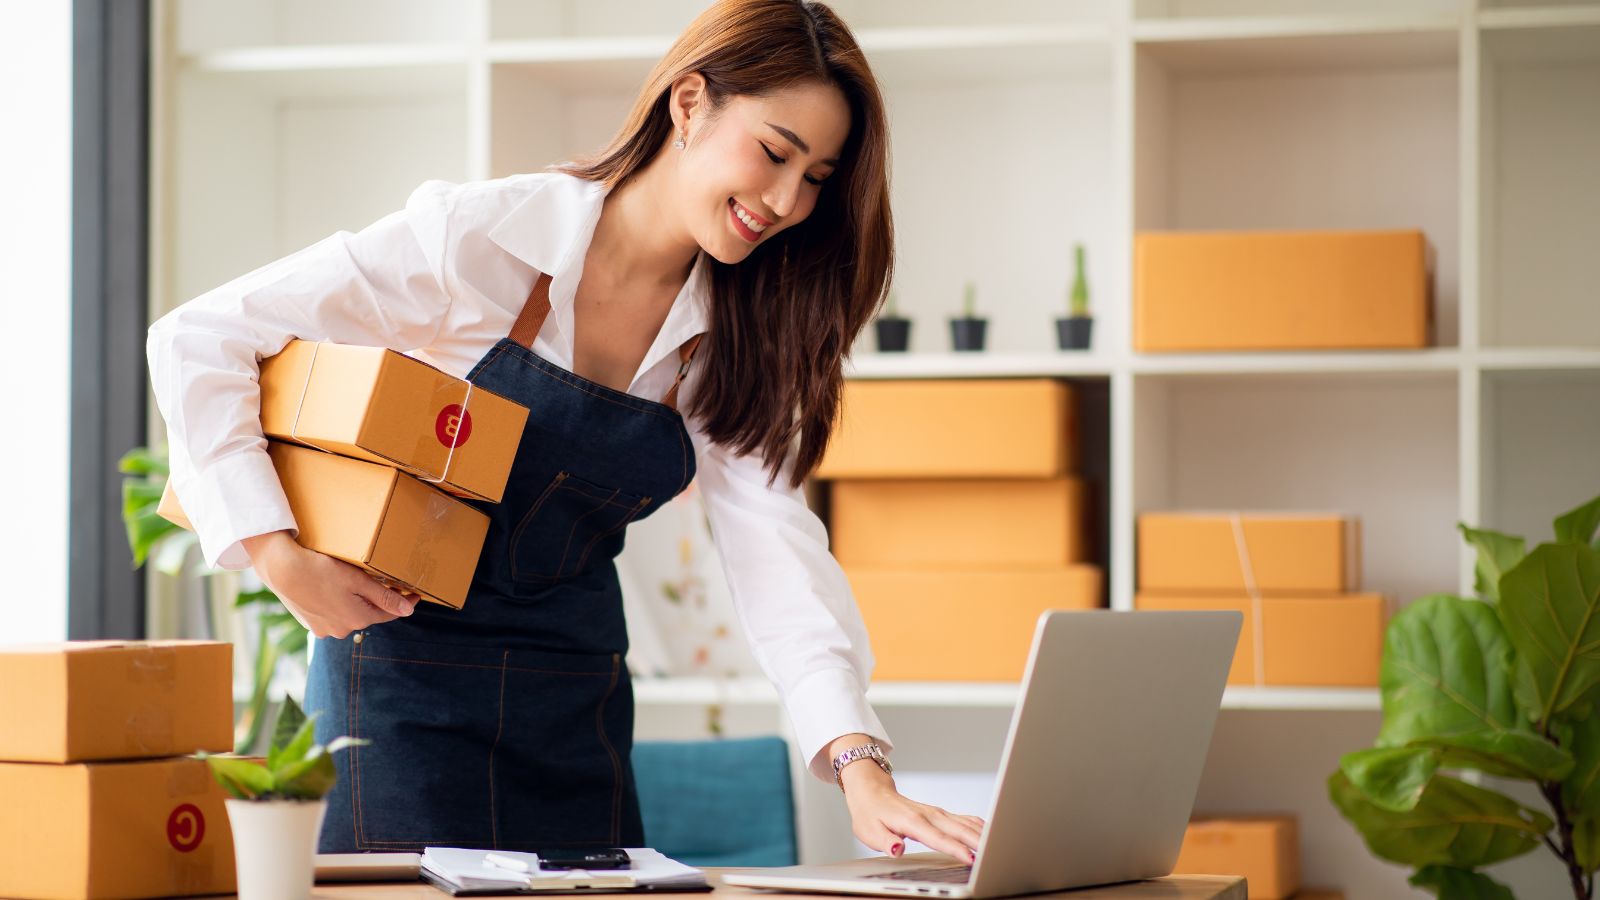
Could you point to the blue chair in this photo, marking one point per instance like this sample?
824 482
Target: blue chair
719 802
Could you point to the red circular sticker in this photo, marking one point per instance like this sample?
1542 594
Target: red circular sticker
186 827
453 426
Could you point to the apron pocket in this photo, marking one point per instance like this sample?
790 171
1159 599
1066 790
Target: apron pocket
559 533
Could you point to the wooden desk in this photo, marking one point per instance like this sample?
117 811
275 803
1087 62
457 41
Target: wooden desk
1176 887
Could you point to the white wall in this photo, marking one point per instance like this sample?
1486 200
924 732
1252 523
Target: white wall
35 240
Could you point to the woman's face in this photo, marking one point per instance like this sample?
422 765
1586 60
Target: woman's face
755 167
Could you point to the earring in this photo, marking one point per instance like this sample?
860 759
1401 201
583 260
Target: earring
678 144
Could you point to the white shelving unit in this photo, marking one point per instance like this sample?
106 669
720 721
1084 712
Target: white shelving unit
1020 127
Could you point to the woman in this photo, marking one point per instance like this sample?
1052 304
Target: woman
718 259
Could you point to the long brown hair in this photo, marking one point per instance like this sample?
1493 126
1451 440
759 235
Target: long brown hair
782 320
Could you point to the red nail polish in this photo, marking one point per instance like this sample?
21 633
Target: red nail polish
896 849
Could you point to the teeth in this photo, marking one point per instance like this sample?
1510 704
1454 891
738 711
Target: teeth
747 219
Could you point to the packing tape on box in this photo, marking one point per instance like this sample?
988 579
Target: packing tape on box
423 559
1258 638
461 422
194 869
150 729
421 474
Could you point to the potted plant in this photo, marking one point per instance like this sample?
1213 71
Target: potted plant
966 332
1503 685
1072 332
275 807
166 546
894 331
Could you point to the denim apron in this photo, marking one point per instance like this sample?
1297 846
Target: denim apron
508 724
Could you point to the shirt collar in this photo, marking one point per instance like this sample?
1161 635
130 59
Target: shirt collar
550 230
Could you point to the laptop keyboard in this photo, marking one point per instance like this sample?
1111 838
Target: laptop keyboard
943 874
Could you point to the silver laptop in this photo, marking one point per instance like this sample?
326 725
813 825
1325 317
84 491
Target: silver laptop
1100 767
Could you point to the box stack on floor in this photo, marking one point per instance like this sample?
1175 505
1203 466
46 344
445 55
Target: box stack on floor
958 519
1295 577
370 446
1264 849
101 799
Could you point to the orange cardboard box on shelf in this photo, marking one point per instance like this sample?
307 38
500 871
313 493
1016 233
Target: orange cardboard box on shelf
990 523
1285 552
1324 641
150 828
395 527
1264 849
1280 290
975 428
963 624
377 405
90 700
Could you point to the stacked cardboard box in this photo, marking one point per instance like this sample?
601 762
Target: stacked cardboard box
958 519
100 801
370 445
1264 849
1266 290
1294 577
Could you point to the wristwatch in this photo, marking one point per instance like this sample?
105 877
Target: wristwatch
872 751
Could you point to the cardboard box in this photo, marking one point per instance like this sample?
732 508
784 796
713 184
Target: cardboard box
1288 553
153 828
90 700
398 529
963 625
1264 849
1280 290
954 429
1307 641
984 523
377 405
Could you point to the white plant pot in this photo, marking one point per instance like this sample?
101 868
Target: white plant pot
275 846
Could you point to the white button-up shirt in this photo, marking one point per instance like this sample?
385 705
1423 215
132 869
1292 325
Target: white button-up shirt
443 280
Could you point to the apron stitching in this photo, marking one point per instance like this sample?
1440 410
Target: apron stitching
355 759
616 762
589 547
567 548
638 403
500 727
516 536
429 662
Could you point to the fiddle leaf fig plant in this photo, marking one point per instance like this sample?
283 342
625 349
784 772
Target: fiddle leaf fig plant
1504 684
296 767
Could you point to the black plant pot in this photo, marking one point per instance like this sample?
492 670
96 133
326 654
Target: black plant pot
894 334
967 334
1073 333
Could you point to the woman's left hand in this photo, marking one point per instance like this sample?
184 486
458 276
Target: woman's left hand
882 818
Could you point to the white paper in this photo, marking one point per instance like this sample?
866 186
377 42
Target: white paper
467 869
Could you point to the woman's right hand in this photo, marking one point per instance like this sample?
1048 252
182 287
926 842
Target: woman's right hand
330 597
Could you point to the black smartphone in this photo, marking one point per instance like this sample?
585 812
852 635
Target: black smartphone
601 858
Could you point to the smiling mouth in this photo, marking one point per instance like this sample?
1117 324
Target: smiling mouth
749 225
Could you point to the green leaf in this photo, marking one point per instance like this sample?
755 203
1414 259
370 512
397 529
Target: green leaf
311 778
292 722
1586 843
1497 553
243 778
1453 824
259 595
1579 525
1451 883
1580 789
1444 672
342 743
1550 609
1391 777
1513 754
295 749
143 461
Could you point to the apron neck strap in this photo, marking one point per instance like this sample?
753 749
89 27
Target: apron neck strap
534 311
537 308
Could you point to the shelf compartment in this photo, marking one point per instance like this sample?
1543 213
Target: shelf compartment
202 26
1282 133
1381 446
274 161
1539 440
1342 10
1540 186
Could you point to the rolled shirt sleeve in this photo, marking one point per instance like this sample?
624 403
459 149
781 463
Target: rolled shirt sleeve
386 285
792 599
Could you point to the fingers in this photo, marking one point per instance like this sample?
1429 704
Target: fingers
386 599
881 839
923 828
957 827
